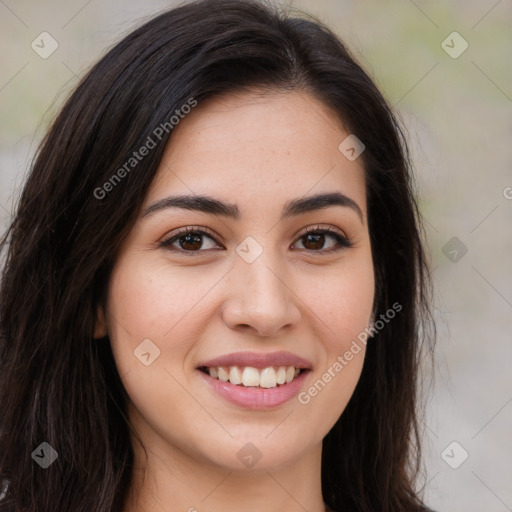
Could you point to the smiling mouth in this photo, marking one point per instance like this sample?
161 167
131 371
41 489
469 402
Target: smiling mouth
248 376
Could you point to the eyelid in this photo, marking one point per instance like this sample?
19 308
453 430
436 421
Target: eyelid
192 229
321 227
165 240
343 241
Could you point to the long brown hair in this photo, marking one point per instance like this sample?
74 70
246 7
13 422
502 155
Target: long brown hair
59 386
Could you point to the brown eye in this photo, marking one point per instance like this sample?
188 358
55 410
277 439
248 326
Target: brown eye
188 240
192 240
315 239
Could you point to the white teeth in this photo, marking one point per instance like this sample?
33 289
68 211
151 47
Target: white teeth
248 376
268 378
235 375
223 374
290 373
281 375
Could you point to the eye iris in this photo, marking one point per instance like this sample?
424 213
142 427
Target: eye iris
318 237
188 244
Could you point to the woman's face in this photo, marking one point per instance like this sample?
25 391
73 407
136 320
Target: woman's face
256 291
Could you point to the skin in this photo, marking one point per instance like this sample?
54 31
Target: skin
257 151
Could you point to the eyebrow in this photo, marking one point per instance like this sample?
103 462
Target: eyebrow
210 205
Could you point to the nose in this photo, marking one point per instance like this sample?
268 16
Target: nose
260 298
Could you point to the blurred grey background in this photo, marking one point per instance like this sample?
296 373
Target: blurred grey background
453 92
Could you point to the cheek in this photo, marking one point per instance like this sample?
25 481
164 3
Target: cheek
342 300
155 309
326 397
155 302
342 305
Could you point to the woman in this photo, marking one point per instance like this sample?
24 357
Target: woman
215 293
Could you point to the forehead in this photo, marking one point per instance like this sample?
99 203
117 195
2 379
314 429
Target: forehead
249 148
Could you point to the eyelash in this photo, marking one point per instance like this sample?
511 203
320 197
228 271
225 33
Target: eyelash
342 241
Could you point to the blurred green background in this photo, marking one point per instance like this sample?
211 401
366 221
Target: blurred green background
457 113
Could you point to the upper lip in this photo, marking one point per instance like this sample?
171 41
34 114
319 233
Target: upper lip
258 360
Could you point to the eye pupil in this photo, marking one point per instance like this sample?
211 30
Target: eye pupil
195 237
319 237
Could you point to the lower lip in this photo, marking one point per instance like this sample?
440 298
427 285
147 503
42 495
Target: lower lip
256 398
